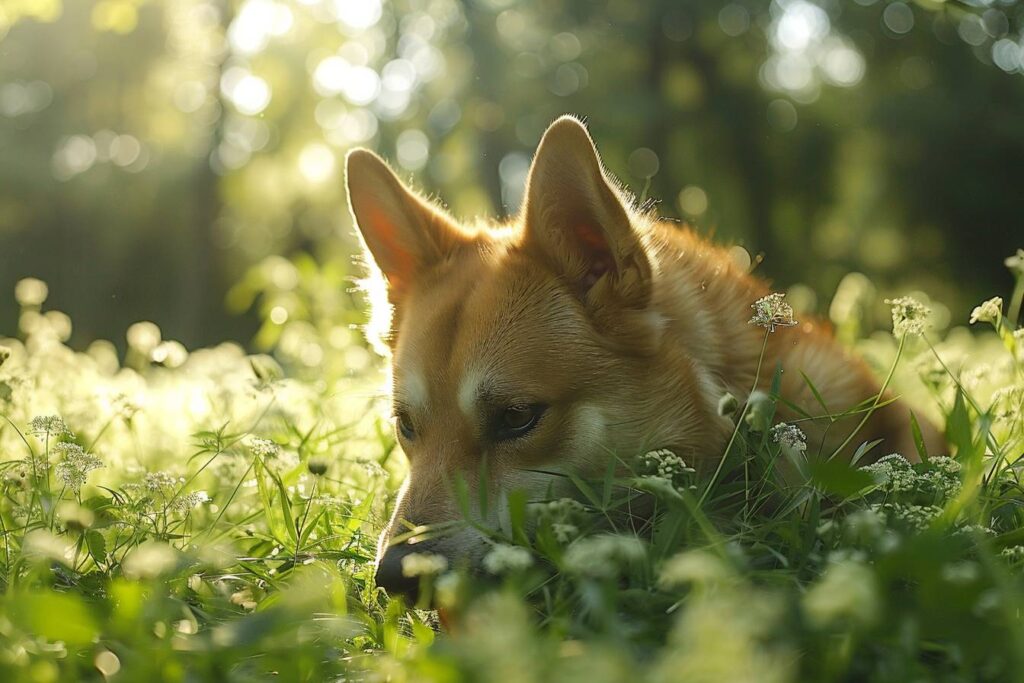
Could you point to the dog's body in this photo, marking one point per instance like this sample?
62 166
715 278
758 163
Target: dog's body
581 331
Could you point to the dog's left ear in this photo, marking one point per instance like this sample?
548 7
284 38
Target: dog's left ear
575 221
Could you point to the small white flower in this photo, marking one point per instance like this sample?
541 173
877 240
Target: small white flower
5 353
846 593
1016 262
664 464
789 436
601 557
264 448
692 567
423 564
565 532
771 312
75 466
49 426
894 473
504 558
988 312
909 316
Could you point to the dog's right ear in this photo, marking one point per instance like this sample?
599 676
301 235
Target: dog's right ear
402 232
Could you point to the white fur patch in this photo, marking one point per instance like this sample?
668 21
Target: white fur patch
414 390
469 387
589 433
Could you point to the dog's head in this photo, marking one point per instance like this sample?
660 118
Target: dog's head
512 344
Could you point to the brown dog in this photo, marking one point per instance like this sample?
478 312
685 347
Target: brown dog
578 331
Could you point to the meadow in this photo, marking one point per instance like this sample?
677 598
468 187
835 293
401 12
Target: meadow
170 514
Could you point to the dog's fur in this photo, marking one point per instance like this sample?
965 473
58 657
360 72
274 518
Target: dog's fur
629 329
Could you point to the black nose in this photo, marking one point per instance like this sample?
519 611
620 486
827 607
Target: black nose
389 574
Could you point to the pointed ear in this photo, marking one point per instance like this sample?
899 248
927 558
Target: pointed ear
403 233
576 222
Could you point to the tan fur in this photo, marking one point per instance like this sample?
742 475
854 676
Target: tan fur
629 328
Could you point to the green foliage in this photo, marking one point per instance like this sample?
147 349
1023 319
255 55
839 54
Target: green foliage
215 519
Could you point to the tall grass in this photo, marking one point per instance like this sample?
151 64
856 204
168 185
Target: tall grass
212 515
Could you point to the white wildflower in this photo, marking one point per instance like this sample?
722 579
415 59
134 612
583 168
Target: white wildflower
988 312
75 465
847 593
601 557
893 473
943 476
264 448
161 482
727 405
504 558
564 516
1014 553
565 532
49 426
771 312
374 470
917 517
1016 262
789 436
423 564
1007 403
909 316
692 567
664 464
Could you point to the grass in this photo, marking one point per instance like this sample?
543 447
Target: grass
212 515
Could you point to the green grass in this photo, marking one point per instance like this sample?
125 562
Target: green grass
229 530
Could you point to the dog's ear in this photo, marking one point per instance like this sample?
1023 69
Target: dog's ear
576 221
402 232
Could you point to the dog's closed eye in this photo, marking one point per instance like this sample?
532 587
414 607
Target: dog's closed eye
517 420
405 426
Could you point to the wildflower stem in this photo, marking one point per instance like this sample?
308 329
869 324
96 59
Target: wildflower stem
739 421
878 398
1016 299
997 451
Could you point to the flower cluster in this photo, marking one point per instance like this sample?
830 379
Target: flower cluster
664 464
937 480
916 518
909 316
894 474
771 312
264 448
75 465
602 556
423 564
988 312
1016 262
1008 403
49 426
692 567
563 515
502 559
789 436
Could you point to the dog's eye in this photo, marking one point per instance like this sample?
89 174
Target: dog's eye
405 425
517 420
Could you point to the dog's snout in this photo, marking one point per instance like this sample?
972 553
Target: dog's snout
390 575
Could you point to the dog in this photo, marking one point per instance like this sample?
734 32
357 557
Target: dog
580 330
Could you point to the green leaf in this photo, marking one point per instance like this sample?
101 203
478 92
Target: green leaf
915 429
837 477
817 394
97 545
54 616
958 426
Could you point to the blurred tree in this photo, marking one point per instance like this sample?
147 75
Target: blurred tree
151 151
